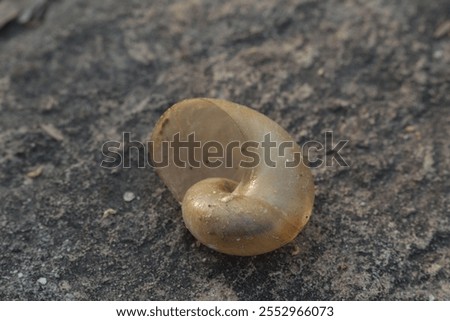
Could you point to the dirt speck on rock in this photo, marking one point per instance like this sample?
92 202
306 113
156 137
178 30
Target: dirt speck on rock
374 73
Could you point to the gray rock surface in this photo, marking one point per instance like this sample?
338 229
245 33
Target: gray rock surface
376 73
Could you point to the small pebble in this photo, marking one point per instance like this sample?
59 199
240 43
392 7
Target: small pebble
442 30
42 281
128 196
53 132
438 54
108 212
295 251
35 172
20 275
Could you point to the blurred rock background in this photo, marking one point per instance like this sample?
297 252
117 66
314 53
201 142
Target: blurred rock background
75 74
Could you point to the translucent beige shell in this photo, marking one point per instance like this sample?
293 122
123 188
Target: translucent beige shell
234 210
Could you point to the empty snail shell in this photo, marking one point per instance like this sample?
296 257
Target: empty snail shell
234 209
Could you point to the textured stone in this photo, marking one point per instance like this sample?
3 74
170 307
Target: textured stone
373 72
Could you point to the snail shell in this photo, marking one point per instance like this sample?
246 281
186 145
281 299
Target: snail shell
231 208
